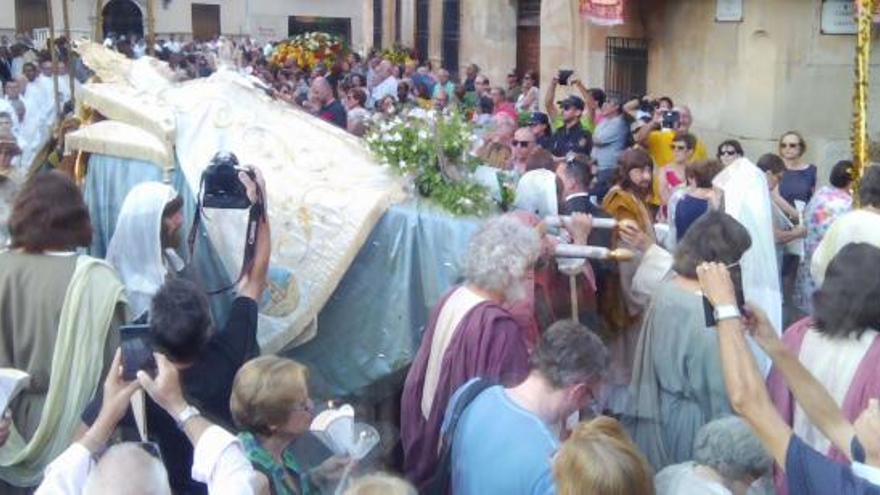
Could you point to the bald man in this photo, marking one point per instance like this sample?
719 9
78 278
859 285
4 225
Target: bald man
330 108
386 83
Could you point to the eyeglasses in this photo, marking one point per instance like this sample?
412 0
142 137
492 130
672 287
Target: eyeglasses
678 147
789 145
727 153
521 144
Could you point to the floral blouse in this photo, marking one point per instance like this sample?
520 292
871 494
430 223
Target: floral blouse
826 206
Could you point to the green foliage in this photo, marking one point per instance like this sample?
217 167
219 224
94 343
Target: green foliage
434 150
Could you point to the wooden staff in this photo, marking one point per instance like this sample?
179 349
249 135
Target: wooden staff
54 57
70 54
860 142
151 30
99 21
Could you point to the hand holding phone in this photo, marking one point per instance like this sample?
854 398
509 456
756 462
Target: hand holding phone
563 76
670 119
137 351
721 286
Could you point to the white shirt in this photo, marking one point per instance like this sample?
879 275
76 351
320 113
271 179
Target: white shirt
388 87
219 462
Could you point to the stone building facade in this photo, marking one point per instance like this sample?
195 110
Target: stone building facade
778 68
264 19
775 69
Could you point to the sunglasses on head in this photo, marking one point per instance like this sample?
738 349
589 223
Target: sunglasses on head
521 144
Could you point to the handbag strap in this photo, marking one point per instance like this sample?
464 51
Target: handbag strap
439 483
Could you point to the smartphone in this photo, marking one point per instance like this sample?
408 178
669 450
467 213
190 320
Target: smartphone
563 76
736 278
671 118
137 351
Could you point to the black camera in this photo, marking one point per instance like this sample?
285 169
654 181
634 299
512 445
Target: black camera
222 188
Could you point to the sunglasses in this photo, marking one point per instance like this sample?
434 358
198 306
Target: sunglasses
727 153
789 145
678 147
522 144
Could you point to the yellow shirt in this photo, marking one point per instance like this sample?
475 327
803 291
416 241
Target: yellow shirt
660 149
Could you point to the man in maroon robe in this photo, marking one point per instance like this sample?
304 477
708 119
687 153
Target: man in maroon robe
469 335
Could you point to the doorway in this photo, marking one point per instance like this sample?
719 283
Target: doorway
205 21
528 36
123 17
30 15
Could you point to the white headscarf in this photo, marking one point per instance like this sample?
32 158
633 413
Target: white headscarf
747 199
136 247
536 193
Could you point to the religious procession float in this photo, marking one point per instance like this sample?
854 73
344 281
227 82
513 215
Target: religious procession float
357 263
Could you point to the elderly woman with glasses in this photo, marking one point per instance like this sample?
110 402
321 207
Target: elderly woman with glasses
677 384
527 101
271 406
799 180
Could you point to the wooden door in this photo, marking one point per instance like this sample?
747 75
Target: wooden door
205 21
528 36
30 15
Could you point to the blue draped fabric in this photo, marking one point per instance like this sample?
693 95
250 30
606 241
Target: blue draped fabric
370 329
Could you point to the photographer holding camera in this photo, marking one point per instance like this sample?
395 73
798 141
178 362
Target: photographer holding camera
658 135
182 330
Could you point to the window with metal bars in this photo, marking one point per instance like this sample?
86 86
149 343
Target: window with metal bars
377 24
528 12
451 35
626 66
422 28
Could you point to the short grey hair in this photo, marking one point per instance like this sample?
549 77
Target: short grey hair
500 254
730 447
128 468
569 353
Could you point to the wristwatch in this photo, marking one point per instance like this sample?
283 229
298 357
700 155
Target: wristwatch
188 413
726 312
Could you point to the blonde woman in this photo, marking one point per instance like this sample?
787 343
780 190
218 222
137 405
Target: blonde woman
600 459
271 406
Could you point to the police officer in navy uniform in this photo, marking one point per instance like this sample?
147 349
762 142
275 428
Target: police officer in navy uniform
540 124
572 137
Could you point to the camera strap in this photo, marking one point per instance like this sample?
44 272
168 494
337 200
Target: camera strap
256 215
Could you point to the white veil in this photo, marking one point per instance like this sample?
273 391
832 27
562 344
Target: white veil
136 247
747 199
536 193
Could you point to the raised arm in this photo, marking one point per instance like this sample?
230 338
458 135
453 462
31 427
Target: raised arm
549 104
816 402
745 384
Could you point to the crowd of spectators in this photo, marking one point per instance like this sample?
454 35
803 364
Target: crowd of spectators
641 372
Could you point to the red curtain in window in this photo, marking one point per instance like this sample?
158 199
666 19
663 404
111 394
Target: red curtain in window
603 12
